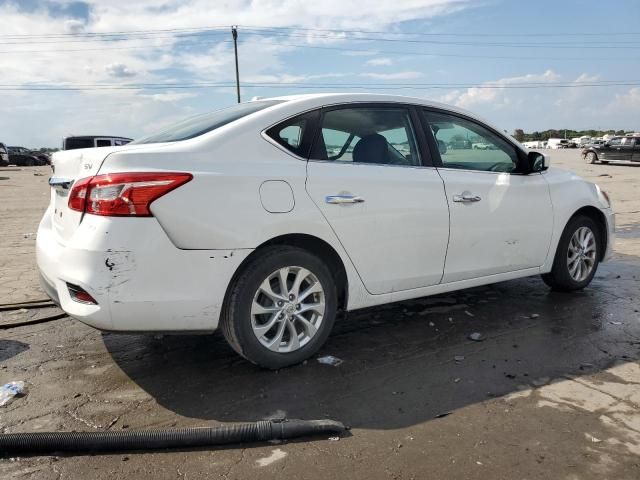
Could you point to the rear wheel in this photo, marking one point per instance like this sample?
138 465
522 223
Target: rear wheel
591 157
281 308
577 256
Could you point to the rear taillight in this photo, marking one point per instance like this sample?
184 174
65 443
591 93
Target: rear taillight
123 194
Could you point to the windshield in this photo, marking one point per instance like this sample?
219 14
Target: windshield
201 124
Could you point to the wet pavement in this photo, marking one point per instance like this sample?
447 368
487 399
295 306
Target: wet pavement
552 390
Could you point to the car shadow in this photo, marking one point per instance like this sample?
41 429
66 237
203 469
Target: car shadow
405 363
11 348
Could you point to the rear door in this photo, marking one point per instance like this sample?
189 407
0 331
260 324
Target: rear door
501 221
636 150
385 202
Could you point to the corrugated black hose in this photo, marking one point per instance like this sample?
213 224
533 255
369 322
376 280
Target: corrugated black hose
159 439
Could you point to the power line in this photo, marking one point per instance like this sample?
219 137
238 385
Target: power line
322 47
264 31
314 86
333 30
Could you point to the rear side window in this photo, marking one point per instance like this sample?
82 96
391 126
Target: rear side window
2 148
295 133
201 124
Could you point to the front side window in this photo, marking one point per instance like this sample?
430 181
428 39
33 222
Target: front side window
467 145
615 141
374 135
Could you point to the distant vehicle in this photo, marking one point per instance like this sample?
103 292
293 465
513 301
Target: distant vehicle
4 156
93 141
625 149
581 141
16 153
481 146
535 144
557 143
459 144
23 157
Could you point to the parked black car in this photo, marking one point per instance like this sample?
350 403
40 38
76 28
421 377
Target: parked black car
616 149
23 157
4 156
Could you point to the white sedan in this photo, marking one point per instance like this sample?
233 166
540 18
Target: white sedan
266 218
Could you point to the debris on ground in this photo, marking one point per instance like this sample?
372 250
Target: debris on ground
28 235
459 358
593 439
539 382
534 315
615 323
38 174
441 415
431 324
334 439
585 365
510 375
469 313
476 337
330 360
456 380
10 390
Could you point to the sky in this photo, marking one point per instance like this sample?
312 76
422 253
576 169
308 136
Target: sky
128 68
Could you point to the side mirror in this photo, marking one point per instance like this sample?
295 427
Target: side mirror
538 162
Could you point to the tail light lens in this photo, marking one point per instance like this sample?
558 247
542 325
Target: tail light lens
123 194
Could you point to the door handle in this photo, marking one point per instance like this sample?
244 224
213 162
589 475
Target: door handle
466 197
342 199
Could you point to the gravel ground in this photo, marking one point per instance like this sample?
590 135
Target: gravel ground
552 392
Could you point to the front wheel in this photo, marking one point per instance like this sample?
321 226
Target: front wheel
577 256
281 308
591 157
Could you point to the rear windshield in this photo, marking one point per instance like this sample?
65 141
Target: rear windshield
201 124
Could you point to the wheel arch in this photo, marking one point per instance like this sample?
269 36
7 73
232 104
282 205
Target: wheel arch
597 216
311 244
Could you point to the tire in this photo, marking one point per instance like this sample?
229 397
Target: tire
248 331
561 278
591 157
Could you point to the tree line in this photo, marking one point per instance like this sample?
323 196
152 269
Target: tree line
523 136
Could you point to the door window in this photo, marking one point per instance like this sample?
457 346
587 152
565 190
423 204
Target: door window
373 135
469 146
103 143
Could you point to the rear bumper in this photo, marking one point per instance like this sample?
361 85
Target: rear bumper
140 280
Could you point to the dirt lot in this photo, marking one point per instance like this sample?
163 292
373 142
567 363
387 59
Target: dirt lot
553 392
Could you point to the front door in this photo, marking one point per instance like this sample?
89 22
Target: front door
385 203
501 221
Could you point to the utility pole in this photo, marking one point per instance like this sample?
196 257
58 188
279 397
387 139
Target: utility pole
234 34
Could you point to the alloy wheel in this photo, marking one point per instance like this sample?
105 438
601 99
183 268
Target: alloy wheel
581 255
287 309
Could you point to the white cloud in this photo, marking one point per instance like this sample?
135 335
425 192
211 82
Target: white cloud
583 107
392 76
119 70
382 61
